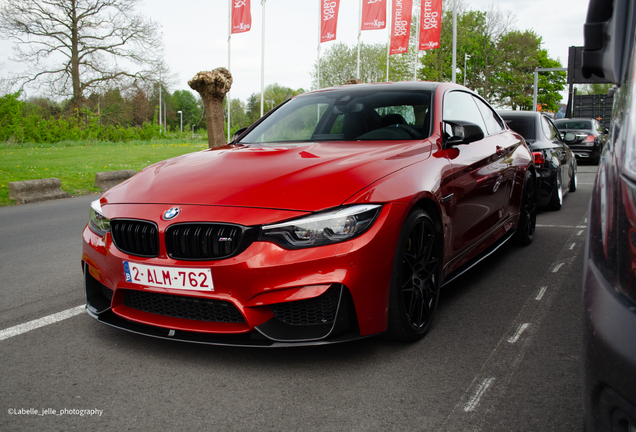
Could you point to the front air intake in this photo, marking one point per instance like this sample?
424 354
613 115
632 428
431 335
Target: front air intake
190 308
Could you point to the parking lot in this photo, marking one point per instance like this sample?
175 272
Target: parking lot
502 355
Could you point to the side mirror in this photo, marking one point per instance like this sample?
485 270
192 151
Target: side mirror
238 133
569 137
460 132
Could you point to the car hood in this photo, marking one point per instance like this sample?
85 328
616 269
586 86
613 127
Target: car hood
307 177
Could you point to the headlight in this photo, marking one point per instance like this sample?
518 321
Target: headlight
97 222
322 228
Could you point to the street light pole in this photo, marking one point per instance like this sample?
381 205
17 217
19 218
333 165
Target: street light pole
165 116
180 120
466 56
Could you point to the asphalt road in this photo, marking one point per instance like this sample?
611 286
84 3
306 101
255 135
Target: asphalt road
502 355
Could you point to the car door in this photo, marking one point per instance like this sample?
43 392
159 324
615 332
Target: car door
560 149
602 134
478 171
506 145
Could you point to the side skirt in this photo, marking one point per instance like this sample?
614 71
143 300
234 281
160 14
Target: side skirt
470 264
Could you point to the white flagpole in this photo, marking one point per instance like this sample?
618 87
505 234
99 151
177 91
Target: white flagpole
389 25
417 45
319 36
160 117
263 59
359 36
454 41
229 38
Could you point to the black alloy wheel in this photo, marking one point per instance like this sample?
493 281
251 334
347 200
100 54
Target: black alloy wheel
415 279
528 211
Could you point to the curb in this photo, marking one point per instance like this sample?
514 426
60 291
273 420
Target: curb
106 180
31 191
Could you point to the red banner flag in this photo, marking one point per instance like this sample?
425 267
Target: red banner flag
401 26
328 19
430 24
241 16
373 14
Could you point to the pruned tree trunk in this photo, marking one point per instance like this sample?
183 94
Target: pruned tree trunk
213 86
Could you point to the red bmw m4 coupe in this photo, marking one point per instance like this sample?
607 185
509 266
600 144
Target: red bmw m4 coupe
338 215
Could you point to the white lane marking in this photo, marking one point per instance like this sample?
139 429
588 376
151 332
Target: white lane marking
561 226
541 293
557 267
40 322
505 360
572 246
580 232
472 404
520 330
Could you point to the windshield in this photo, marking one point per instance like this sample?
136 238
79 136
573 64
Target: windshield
524 126
347 114
573 124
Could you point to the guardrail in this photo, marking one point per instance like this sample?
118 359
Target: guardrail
32 191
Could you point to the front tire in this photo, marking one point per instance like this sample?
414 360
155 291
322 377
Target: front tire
415 283
528 211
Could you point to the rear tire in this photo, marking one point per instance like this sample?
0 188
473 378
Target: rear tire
415 284
574 180
528 211
556 200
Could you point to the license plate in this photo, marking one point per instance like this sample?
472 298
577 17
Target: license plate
198 279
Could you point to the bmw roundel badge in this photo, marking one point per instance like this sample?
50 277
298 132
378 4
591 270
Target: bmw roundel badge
171 213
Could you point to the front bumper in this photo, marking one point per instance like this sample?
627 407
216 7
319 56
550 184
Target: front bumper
609 355
332 293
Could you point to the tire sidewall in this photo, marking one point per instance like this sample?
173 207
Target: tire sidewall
522 236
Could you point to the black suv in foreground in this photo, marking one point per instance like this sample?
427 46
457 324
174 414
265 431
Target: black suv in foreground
609 285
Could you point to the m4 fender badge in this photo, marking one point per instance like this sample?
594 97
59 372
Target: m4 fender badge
171 213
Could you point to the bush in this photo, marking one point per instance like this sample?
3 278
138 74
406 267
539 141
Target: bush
19 125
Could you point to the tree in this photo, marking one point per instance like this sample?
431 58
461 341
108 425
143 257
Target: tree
274 94
515 77
593 89
437 63
188 104
84 40
339 64
550 83
521 54
253 108
213 86
478 35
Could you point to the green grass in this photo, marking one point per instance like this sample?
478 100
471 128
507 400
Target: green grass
75 163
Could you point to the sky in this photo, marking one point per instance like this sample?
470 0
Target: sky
195 34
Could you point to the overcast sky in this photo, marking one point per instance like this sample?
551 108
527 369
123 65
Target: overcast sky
195 35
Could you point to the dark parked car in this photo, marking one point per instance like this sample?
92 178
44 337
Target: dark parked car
609 285
588 137
553 159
